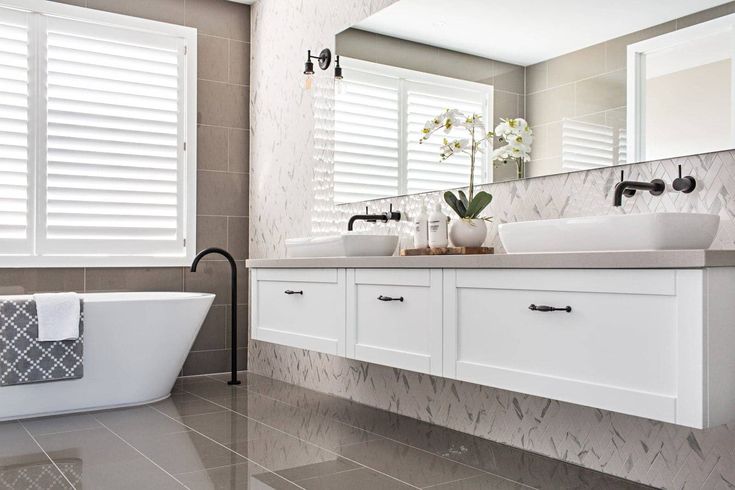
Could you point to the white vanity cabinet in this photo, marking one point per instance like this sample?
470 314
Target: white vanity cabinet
394 317
302 308
656 343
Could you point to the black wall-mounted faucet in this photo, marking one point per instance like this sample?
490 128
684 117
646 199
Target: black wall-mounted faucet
389 215
628 188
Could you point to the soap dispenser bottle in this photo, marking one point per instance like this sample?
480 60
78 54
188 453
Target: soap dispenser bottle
438 228
421 229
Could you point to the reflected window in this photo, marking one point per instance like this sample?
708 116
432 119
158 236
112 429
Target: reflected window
380 111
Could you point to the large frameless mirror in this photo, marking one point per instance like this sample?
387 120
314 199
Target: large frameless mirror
564 86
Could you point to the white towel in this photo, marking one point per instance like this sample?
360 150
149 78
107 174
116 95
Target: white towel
58 316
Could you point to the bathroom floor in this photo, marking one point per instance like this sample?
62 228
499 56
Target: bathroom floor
266 434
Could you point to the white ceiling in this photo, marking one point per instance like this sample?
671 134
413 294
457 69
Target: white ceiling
523 32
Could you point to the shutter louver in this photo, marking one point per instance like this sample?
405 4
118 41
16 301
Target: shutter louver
425 172
15 154
366 135
586 145
113 176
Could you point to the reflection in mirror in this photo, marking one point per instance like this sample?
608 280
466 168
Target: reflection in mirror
600 84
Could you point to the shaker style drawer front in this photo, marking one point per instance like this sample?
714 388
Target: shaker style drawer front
601 338
394 318
302 308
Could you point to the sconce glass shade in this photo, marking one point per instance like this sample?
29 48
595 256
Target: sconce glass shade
309 82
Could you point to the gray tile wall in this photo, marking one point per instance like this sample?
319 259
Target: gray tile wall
222 181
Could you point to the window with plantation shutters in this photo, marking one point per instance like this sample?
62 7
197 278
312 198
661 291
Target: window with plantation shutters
586 145
97 124
15 137
379 113
366 132
423 102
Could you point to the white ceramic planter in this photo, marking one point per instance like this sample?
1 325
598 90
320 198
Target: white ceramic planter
467 232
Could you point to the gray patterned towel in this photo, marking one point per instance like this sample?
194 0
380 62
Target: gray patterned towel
23 359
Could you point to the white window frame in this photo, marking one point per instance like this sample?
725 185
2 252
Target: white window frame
636 77
405 75
187 168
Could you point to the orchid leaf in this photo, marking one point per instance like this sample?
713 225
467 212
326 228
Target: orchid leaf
453 203
463 198
481 200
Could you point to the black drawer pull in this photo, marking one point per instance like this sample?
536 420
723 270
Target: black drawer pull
388 298
288 291
568 309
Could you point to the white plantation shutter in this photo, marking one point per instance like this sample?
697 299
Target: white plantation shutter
586 145
112 171
15 150
366 132
378 121
423 102
97 138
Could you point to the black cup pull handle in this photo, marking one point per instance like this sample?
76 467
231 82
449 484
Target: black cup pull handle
388 298
568 309
288 291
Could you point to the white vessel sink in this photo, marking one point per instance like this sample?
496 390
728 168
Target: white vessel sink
344 245
653 231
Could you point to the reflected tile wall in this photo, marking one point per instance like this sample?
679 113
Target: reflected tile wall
290 182
222 178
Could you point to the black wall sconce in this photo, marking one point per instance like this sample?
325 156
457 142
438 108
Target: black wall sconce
324 60
337 69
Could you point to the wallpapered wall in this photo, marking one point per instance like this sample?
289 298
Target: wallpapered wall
291 197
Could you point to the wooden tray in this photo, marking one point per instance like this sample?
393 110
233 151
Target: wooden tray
408 252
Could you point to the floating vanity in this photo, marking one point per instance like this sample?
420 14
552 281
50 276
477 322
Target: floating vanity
650 334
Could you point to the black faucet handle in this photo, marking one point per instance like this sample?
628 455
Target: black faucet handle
684 184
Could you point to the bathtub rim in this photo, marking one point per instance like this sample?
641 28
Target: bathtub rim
125 296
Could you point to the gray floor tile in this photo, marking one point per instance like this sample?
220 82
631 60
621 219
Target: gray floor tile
359 479
210 388
185 452
61 423
17 448
482 482
92 447
307 437
138 474
183 404
247 403
227 427
302 423
290 457
408 464
138 421
246 476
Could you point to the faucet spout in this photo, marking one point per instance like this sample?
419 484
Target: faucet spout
374 218
233 289
628 187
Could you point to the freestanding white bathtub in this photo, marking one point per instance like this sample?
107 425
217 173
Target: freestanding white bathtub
134 347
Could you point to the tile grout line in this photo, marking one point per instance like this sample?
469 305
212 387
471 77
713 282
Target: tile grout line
302 440
219 443
46 454
140 452
371 432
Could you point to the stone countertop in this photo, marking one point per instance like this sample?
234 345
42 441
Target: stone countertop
659 259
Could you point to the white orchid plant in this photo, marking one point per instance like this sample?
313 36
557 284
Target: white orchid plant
467 206
518 137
